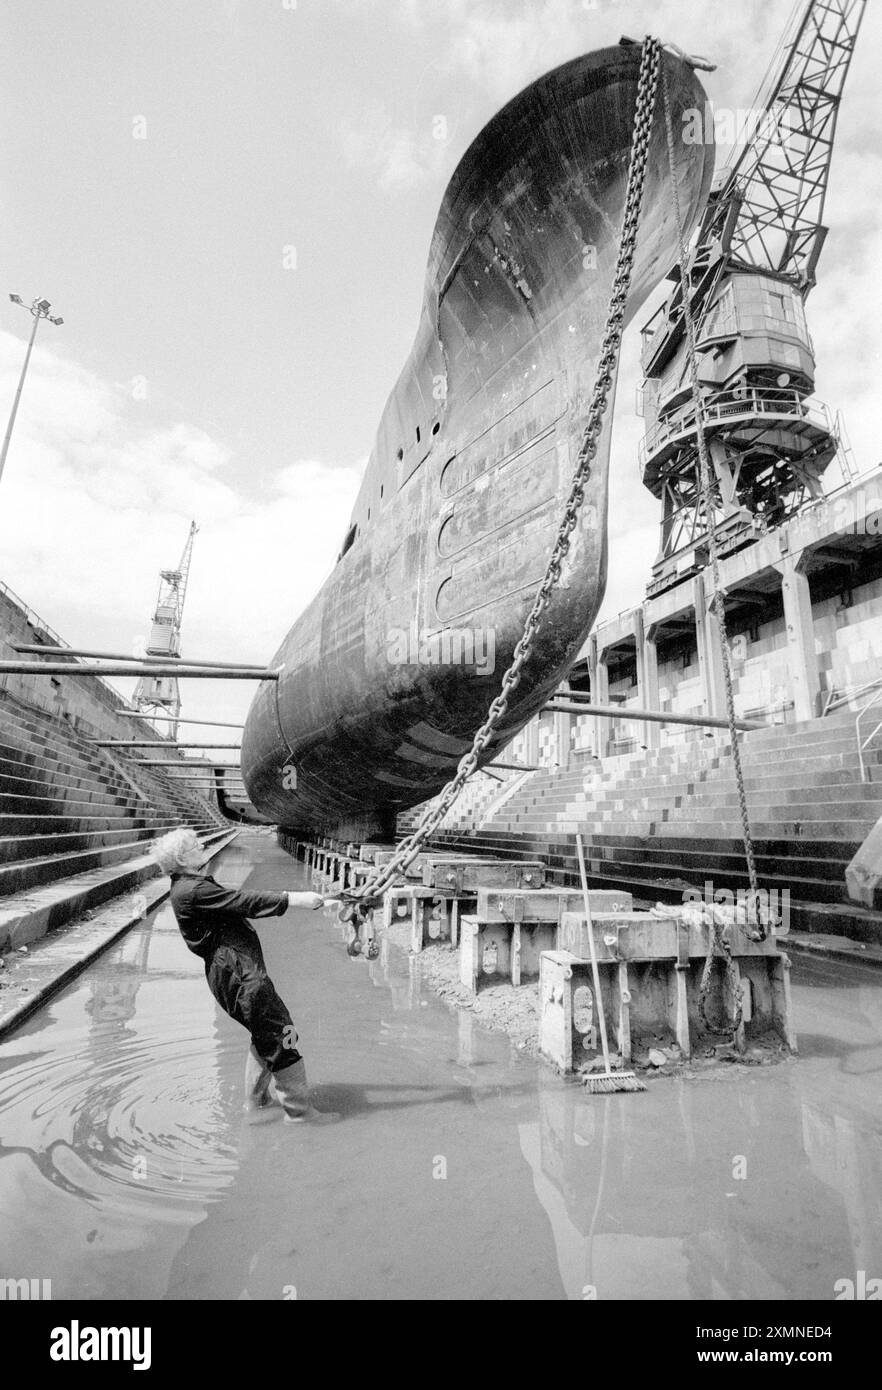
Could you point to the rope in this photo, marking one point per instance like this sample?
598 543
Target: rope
717 608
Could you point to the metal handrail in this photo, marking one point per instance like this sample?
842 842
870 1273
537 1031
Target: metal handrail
849 695
33 618
40 624
874 699
756 400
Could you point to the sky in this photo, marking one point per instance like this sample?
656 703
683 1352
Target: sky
230 202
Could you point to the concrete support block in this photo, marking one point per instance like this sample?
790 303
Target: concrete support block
431 919
863 877
650 979
407 901
782 1006
492 952
546 905
556 1008
623 1023
680 1009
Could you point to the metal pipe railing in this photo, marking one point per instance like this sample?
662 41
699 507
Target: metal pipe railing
853 694
160 743
874 699
35 648
725 405
134 668
704 721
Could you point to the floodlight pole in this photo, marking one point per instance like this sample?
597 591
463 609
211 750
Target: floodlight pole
39 310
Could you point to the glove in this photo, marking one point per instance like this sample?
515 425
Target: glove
313 900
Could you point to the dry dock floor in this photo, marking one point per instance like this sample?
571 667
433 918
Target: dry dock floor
462 1168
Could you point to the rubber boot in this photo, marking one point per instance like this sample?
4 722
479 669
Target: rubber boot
258 1079
292 1089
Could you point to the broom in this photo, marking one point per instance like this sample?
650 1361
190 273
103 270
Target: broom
601 1083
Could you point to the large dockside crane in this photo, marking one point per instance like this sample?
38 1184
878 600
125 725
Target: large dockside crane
162 693
750 271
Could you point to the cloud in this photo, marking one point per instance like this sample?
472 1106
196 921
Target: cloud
397 157
95 502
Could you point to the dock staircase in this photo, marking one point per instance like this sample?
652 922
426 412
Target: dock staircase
658 822
76 823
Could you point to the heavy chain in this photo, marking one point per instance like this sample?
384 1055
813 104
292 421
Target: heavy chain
410 847
716 936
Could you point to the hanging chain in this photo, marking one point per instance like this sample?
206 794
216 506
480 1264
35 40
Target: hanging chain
647 82
716 932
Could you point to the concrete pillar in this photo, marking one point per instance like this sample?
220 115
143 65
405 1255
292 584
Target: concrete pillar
710 659
647 678
802 653
600 697
591 658
563 724
531 742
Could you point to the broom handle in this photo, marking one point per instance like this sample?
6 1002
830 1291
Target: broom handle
594 969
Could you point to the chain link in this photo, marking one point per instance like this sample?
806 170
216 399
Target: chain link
410 847
716 936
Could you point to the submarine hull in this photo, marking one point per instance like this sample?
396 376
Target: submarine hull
391 668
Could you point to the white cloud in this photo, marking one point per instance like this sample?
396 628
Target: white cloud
94 503
398 158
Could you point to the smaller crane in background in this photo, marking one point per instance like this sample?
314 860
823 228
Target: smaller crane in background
162 694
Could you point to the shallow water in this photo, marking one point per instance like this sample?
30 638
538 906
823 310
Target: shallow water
460 1169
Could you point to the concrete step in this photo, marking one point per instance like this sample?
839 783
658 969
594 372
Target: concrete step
21 804
54 746
50 757
661 858
64 745
53 825
37 771
26 917
26 762
822 852
24 874
862 798
16 847
61 790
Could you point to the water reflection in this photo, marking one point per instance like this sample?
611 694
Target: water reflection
737 1186
126 1168
113 1121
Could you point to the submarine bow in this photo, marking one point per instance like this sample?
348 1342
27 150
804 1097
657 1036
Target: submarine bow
390 669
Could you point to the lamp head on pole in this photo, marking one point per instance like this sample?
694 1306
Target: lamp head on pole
39 308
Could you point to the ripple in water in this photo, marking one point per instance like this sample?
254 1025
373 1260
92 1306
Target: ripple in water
125 1119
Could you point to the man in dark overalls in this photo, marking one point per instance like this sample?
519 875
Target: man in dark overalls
214 924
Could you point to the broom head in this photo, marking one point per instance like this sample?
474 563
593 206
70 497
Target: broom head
604 1082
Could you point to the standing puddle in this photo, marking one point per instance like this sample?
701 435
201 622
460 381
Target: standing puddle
460 1169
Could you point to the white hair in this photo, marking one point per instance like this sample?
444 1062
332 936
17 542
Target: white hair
168 850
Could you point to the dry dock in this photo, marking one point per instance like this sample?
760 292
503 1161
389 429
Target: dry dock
462 1168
